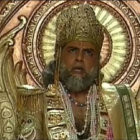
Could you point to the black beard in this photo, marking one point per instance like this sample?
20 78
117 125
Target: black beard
76 84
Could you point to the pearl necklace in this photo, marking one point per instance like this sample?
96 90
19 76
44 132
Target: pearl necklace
70 117
70 113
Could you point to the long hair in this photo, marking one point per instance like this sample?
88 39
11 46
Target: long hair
48 73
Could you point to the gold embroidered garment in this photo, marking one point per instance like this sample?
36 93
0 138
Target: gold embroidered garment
121 109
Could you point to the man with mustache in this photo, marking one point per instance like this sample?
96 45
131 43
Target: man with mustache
77 105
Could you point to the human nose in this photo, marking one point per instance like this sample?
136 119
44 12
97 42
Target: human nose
79 56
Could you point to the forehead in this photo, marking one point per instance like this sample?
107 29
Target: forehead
80 45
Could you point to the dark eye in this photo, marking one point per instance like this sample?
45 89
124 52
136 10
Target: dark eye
72 50
89 52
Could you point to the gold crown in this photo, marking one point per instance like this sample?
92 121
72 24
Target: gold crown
78 24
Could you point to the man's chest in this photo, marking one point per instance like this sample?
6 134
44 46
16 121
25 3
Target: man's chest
82 121
80 116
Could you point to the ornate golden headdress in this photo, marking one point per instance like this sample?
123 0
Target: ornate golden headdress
79 24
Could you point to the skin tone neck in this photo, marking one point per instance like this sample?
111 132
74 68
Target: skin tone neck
80 58
80 97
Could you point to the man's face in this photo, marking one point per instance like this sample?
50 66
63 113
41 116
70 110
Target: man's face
79 63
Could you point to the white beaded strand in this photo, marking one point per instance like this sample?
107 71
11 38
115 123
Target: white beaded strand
70 112
91 102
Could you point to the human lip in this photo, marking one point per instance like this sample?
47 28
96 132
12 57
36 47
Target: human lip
78 70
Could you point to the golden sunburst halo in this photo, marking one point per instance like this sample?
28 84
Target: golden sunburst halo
120 52
114 49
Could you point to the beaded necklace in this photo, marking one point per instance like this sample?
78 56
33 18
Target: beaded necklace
91 101
76 103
